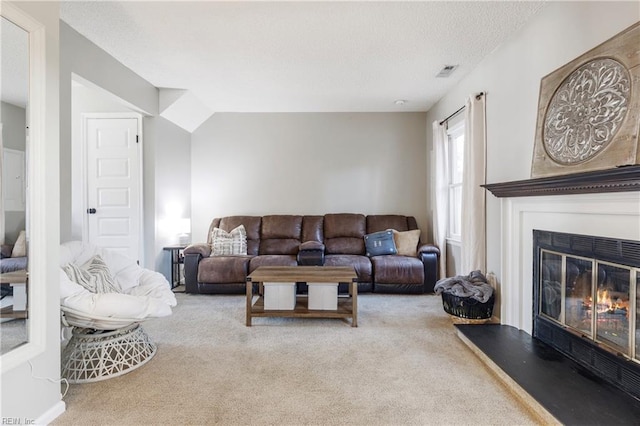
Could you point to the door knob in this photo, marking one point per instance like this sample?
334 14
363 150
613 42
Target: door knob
91 211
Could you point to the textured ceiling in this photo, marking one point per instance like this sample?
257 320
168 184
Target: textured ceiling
300 56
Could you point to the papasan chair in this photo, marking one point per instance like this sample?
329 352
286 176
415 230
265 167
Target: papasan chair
105 296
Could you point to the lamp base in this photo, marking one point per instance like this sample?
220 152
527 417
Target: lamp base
184 239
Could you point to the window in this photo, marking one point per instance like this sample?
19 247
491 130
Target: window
455 158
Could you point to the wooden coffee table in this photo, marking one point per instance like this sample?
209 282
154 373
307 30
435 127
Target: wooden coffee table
347 307
19 308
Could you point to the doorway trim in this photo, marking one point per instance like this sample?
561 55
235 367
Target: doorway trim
38 170
86 116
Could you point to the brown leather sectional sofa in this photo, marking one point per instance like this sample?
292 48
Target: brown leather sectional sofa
276 240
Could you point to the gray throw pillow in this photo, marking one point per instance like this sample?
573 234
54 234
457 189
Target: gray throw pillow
93 275
380 243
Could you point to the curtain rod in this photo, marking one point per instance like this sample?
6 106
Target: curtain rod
478 96
452 115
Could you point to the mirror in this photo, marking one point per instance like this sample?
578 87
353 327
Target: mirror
14 94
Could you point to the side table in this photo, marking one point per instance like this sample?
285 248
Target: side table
177 259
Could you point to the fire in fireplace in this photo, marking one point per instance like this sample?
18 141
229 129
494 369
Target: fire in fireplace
587 297
607 321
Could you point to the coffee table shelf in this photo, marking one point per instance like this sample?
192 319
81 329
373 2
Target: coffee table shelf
347 306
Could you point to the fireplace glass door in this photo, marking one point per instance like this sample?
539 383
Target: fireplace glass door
611 306
592 298
579 284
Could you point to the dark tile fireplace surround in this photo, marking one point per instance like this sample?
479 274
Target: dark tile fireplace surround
569 273
585 303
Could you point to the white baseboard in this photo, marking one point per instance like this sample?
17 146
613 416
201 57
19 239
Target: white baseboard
51 414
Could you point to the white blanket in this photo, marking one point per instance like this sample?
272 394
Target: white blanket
145 293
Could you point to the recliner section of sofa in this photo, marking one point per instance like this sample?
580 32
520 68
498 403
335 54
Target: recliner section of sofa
284 240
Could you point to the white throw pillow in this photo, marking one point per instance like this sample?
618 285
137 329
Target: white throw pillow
20 247
93 275
225 243
407 242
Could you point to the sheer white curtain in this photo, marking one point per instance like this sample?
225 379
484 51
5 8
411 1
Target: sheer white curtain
440 194
473 227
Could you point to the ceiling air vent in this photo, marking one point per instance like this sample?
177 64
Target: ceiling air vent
446 71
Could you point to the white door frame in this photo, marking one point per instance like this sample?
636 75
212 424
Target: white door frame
86 116
1 190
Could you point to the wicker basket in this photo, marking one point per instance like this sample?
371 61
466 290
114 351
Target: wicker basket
467 307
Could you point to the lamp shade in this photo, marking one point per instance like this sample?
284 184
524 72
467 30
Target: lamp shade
183 229
183 226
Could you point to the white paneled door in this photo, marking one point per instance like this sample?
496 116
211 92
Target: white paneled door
114 184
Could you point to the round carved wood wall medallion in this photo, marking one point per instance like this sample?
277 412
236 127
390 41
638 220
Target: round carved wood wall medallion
586 111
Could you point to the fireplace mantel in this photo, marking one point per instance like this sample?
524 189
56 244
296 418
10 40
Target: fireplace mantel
621 179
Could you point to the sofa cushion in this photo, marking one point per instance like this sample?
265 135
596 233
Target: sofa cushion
278 246
280 235
223 269
353 246
344 225
361 264
225 243
281 226
272 260
13 264
397 270
312 228
344 233
407 242
380 222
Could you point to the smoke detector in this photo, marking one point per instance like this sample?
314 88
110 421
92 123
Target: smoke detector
400 102
446 71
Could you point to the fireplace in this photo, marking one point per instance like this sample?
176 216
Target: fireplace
586 301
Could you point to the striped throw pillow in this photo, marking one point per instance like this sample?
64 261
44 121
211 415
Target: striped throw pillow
93 275
225 243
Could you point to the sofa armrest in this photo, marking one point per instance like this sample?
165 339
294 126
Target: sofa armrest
311 245
191 261
311 253
429 255
203 250
428 248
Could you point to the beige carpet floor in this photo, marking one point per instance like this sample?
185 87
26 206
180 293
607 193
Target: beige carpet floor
13 333
402 365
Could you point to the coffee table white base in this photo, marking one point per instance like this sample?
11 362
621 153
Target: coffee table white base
323 296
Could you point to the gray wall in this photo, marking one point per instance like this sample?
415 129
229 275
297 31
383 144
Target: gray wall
14 136
309 163
14 222
90 63
172 157
13 126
